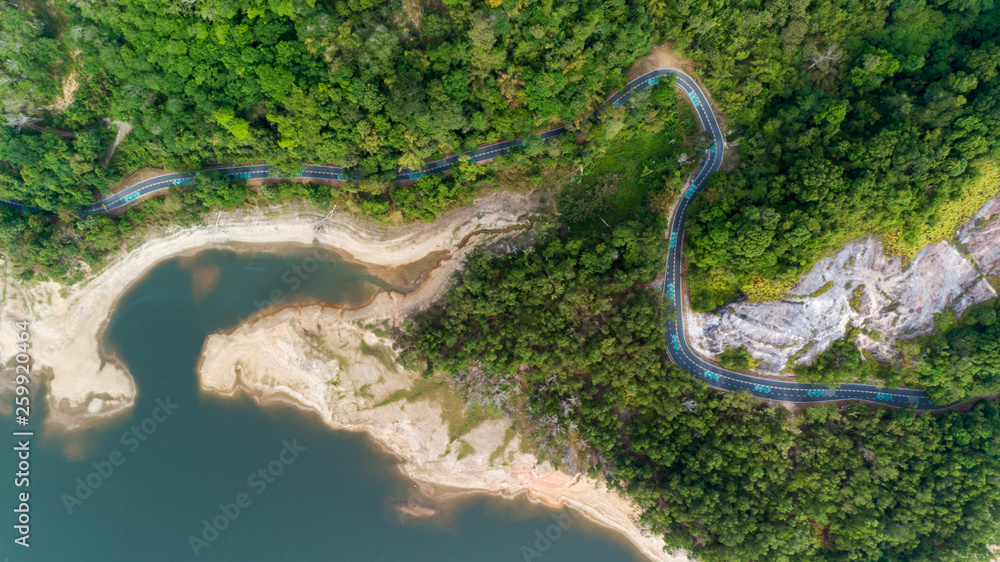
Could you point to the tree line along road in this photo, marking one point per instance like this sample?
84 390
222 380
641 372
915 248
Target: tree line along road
677 348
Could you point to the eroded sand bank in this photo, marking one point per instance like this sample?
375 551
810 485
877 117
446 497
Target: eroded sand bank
313 357
66 323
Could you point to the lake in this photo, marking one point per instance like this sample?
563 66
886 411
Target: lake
279 483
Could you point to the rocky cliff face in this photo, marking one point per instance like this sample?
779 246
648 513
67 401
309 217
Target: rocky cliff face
860 286
980 236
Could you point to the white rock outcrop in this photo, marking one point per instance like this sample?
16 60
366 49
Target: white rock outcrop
895 299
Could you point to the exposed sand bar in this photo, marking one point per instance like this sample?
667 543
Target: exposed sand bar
312 357
67 322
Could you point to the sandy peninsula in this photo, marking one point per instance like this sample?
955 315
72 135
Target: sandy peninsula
314 358
66 323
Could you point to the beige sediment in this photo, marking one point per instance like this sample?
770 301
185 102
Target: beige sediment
312 357
66 323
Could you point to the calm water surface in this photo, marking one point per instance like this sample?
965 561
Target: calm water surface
332 498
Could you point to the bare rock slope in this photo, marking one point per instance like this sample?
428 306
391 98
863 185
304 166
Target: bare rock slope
980 236
860 286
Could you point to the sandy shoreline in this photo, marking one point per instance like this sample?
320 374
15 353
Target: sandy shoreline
85 385
312 357
67 322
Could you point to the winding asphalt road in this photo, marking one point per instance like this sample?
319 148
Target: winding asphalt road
724 379
677 347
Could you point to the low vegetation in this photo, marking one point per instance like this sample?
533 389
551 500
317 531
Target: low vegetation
818 292
459 416
856 297
464 450
958 361
380 353
738 359
508 436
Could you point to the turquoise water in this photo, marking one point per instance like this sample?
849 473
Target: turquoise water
324 495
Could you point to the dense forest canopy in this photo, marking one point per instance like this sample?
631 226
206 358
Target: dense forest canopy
569 331
962 359
356 84
848 117
843 128
852 117
958 361
349 83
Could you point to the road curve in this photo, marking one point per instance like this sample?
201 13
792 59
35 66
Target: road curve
677 347
724 379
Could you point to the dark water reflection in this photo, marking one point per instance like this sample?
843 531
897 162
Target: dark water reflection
180 458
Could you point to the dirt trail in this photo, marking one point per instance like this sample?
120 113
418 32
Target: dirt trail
69 87
660 56
123 130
